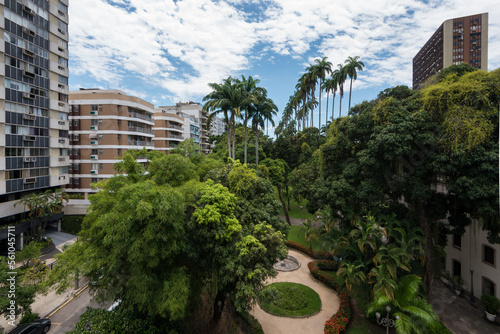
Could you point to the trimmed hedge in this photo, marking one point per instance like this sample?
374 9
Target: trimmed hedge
338 322
320 255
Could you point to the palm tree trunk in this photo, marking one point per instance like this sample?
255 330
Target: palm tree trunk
229 139
267 127
350 93
246 130
333 105
233 124
327 98
257 145
319 124
340 111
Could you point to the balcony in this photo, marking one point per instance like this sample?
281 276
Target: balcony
141 116
140 143
174 126
176 137
140 129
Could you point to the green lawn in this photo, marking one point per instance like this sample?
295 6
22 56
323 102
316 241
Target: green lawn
298 236
290 299
295 210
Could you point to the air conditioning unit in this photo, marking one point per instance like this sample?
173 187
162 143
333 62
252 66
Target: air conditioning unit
28 159
27 10
61 122
29 32
30 180
94 112
28 74
62 141
93 157
29 138
29 53
62 159
93 142
29 117
93 171
93 127
27 95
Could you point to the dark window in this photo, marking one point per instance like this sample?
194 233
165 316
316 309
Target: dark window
457 268
457 240
488 255
488 287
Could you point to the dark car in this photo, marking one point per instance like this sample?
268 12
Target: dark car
35 327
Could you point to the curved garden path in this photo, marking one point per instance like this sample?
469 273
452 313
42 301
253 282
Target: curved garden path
314 324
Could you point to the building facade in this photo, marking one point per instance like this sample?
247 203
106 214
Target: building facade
104 124
217 126
456 41
194 123
33 103
473 258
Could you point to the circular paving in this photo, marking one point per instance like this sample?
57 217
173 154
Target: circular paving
290 263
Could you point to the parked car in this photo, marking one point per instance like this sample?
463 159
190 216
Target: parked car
36 327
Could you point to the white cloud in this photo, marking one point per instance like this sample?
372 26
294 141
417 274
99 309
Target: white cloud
181 46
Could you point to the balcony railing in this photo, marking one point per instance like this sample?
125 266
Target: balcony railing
139 129
173 126
176 136
137 115
139 143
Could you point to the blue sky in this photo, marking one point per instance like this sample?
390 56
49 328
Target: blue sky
168 51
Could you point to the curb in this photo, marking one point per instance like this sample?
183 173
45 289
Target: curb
54 311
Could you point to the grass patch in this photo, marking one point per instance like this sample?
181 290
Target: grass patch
72 224
295 210
298 236
289 299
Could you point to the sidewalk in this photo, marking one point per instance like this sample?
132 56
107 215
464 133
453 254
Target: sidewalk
458 314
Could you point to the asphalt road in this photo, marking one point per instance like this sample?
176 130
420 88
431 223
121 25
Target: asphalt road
69 314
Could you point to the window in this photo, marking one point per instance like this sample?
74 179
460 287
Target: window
100 137
62 61
63 116
101 166
62 45
100 107
489 255
100 151
93 122
63 97
457 241
14 174
63 151
456 268
63 27
64 170
63 80
94 166
93 151
63 134
62 7
488 287
100 122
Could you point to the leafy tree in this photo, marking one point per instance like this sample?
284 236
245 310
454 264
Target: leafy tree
351 274
29 253
276 170
172 169
23 295
133 243
310 232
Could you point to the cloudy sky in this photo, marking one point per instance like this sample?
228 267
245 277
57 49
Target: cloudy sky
168 51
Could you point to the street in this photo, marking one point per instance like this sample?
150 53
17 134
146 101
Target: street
65 318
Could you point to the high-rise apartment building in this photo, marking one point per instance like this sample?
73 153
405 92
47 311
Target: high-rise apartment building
33 103
194 122
217 126
456 41
104 124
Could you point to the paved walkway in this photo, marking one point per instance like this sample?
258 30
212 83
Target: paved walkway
458 314
312 325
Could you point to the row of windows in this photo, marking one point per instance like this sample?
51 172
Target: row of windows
25 130
25 23
39 11
24 173
26 152
24 109
488 287
22 87
13 39
26 67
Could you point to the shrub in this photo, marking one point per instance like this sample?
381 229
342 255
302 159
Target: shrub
490 303
255 327
322 255
72 224
28 317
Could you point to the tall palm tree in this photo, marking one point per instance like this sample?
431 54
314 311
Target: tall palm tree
311 80
340 76
352 66
250 91
217 102
323 68
261 111
329 85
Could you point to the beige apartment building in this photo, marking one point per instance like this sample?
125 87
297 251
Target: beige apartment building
104 124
